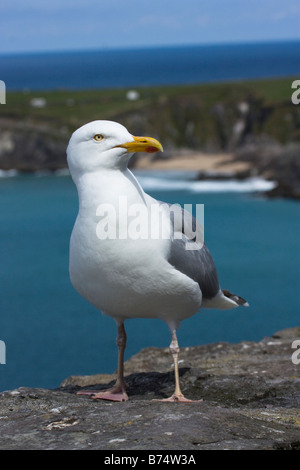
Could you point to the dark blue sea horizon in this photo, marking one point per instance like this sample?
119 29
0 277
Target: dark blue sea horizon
151 66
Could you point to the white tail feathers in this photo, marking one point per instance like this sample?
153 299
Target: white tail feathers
225 300
236 298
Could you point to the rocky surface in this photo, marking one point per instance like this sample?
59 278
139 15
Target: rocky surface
28 147
250 391
279 163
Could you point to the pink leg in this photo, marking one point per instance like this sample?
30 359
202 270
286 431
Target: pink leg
118 391
177 395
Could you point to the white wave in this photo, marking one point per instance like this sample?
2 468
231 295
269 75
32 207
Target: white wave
8 173
62 172
247 185
150 183
177 181
39 173
59 172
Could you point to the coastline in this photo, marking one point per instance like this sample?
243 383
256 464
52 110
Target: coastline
189 171
217 164
224 131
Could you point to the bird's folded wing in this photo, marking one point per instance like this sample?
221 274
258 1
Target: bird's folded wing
191 256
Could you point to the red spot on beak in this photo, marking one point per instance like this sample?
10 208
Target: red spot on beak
151 149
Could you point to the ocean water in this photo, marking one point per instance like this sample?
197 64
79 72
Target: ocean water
50 332
149 66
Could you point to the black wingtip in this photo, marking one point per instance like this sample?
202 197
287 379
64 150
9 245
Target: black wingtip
236 298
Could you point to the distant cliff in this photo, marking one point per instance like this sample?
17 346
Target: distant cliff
256 121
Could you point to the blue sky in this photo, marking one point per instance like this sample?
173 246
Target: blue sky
35 25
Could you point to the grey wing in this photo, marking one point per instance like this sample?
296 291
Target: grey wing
189 254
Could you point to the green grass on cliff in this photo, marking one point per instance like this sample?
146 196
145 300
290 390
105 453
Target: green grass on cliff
195 107
68 106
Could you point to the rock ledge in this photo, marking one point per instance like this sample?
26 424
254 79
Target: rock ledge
251 394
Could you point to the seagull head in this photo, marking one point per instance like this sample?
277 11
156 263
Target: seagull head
105 145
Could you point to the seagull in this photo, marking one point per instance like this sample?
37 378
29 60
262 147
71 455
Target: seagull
132 256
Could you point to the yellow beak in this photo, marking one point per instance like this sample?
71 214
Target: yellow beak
142 144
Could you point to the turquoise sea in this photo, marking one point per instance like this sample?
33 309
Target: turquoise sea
50 332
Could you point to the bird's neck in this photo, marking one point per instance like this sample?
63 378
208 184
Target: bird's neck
107 187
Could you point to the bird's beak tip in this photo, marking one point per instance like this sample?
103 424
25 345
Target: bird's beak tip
143 144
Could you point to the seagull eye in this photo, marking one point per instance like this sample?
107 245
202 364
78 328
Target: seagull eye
98 137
